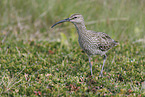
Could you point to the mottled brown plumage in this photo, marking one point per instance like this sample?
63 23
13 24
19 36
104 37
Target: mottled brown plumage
93 43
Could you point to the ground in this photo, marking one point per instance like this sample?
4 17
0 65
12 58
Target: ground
36 60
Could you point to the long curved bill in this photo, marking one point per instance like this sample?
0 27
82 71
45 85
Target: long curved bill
65 20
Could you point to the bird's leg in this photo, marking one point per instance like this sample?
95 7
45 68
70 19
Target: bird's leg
90 64
101 74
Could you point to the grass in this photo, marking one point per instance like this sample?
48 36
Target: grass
38 61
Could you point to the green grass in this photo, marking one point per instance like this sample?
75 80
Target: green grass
38 60
27 68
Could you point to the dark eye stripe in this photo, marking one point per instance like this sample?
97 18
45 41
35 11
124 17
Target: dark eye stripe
73 18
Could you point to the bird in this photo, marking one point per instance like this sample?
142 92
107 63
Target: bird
92 43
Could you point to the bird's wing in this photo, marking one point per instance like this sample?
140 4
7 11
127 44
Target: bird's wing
103 41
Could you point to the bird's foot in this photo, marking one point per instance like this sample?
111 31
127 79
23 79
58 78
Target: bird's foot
100 75
91 76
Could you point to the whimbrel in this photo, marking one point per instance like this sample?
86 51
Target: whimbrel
92 43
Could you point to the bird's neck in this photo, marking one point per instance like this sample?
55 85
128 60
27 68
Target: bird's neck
81 28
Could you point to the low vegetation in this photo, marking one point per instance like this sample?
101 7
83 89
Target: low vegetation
38 61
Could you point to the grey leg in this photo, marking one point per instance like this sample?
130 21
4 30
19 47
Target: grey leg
90 64
101 74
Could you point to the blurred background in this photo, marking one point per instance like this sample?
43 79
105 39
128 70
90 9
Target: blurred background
37 60
123 20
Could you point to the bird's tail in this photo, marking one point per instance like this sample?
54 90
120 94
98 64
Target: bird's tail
116 43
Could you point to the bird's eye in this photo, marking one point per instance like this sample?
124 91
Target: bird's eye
75 17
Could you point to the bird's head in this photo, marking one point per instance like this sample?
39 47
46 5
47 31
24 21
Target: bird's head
75 18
